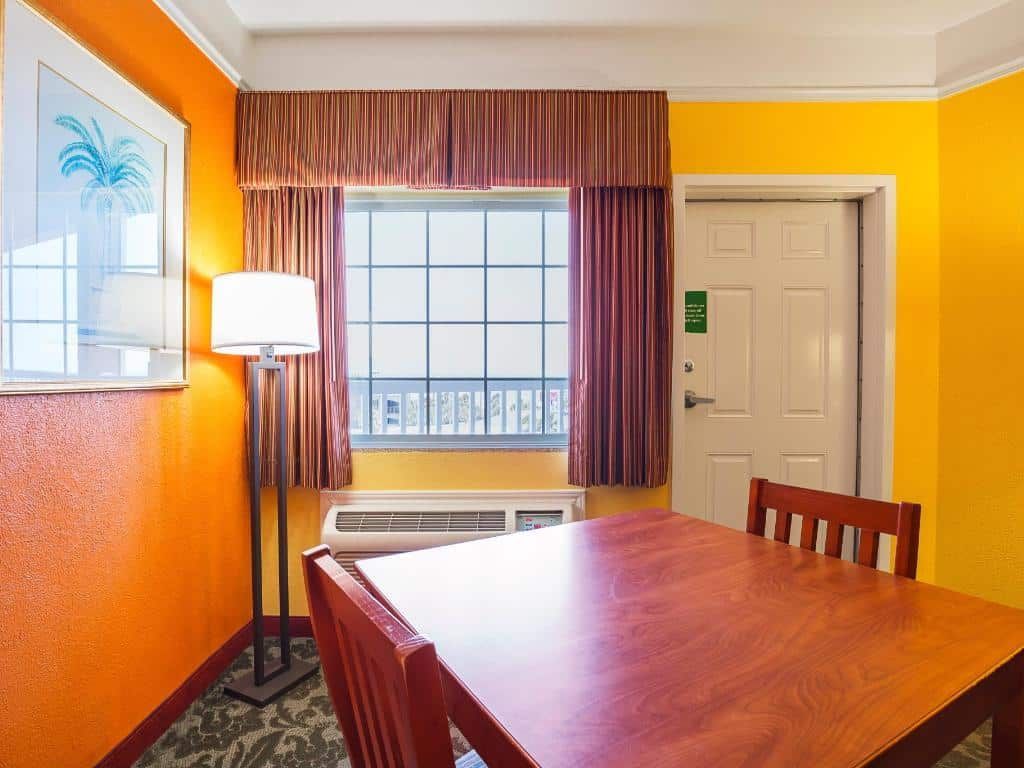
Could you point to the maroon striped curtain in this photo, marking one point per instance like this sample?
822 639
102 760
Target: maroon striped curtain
560 139
301 231
463 139
295 150
342 138
620 335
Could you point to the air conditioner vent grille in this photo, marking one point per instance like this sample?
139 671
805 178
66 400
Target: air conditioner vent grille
460 521
347 560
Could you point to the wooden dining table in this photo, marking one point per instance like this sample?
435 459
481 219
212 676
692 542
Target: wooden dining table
657 640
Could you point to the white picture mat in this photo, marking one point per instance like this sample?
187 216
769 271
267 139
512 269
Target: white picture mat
31 40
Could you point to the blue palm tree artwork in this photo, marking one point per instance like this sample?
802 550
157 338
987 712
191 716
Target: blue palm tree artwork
117 178
100 194
117 171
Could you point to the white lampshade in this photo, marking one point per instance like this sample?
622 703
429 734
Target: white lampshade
264 309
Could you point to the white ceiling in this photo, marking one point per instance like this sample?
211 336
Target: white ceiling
697 50
826 17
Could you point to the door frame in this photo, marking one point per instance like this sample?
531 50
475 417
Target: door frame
877 195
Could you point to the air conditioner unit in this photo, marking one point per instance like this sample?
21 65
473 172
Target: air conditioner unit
363 524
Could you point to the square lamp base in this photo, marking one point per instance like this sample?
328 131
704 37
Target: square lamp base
278 682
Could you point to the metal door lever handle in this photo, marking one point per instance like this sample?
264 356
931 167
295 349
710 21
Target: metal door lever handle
691 399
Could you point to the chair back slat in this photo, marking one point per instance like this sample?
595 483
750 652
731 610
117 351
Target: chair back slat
757 515
834 538
837 512
868 551
908 533
384 681
391 705
808 532
783 526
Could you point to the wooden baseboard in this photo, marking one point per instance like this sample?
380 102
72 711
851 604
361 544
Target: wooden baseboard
153 727
300 626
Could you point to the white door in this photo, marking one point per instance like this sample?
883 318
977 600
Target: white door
779 356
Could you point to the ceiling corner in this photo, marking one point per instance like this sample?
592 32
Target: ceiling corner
213 28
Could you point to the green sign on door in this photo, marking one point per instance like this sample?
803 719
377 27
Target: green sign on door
696 312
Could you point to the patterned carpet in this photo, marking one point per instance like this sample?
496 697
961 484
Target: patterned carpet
299 730
296 731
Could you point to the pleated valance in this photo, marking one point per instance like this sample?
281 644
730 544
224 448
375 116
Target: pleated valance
342 138
560 139
453 138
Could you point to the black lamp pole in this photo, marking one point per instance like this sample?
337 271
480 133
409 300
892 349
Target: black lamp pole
262 686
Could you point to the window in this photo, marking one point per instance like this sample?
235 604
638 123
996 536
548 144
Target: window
457 320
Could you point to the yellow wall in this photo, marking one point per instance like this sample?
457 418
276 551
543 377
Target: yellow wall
123 514
436 470
884 138
855 138
981 416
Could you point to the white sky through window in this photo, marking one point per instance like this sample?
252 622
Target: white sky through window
457 310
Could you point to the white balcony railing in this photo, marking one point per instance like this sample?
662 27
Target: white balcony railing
472 407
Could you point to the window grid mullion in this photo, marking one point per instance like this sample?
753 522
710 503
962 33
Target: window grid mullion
446 266
470 378
487 373
369 324
372 380
421 322
427 331
543 318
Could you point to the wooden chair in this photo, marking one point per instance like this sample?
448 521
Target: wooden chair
902 520
384 681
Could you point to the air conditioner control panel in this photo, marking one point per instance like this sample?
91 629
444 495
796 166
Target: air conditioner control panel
528 521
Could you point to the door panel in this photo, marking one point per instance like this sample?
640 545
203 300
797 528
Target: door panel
809 470
779 355
805 239
728 477
804 351
731 239
730 350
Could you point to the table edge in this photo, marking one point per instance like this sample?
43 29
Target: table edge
973 704
464 690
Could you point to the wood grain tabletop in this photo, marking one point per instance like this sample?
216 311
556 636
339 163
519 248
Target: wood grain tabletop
655 639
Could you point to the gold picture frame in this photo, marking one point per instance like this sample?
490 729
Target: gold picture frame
121 343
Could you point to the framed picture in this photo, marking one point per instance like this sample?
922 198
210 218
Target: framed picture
93 275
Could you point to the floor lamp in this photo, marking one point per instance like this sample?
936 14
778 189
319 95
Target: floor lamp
266 314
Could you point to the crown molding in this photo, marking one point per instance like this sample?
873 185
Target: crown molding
852 93
200 40
977 79
694 93
803 93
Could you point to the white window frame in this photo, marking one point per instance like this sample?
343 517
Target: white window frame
388 200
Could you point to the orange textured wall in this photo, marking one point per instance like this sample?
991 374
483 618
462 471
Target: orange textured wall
117 509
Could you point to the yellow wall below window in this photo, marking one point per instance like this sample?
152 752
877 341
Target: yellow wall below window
981 416
429 470
869 138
